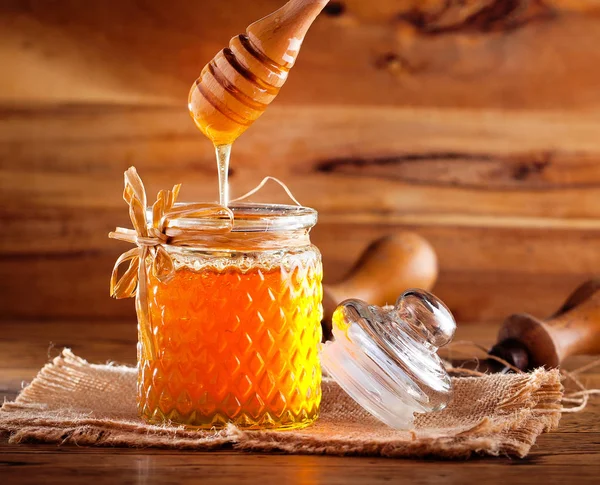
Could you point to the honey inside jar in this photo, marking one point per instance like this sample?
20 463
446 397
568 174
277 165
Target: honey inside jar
236 331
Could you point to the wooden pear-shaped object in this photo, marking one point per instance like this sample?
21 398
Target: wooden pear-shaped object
389 266
528 342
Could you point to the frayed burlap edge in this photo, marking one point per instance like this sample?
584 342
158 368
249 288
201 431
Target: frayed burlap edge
530 407
541 390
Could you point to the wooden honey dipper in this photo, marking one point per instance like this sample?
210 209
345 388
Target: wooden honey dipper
527 342
236 87
386 268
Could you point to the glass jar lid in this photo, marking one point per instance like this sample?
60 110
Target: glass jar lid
385 358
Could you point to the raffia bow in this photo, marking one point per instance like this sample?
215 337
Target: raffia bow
151 238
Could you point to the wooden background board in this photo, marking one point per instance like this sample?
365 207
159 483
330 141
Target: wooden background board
475 123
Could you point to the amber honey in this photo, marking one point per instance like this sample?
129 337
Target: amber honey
235 342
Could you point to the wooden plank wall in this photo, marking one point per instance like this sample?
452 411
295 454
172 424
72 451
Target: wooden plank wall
475 123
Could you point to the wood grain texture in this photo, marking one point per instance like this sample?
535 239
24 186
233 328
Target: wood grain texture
517 53
569 455
475 123
30 464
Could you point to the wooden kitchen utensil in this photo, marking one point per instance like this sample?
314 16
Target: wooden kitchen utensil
235 88
388 266
527 342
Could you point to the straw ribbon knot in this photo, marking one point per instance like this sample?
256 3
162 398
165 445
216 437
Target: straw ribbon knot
154 238
151 238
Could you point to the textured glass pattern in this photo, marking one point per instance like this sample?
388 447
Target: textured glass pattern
386 358
235 341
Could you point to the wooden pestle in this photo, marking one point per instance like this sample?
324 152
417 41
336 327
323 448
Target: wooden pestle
574 329
236 87
385 269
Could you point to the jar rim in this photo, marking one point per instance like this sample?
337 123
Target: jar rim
252 217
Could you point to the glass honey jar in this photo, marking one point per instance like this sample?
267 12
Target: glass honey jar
235 329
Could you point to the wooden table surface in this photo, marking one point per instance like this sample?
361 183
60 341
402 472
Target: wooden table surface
569 455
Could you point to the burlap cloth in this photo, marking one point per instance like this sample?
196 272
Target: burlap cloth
72 401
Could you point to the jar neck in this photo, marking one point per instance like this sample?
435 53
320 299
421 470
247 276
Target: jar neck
241 241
